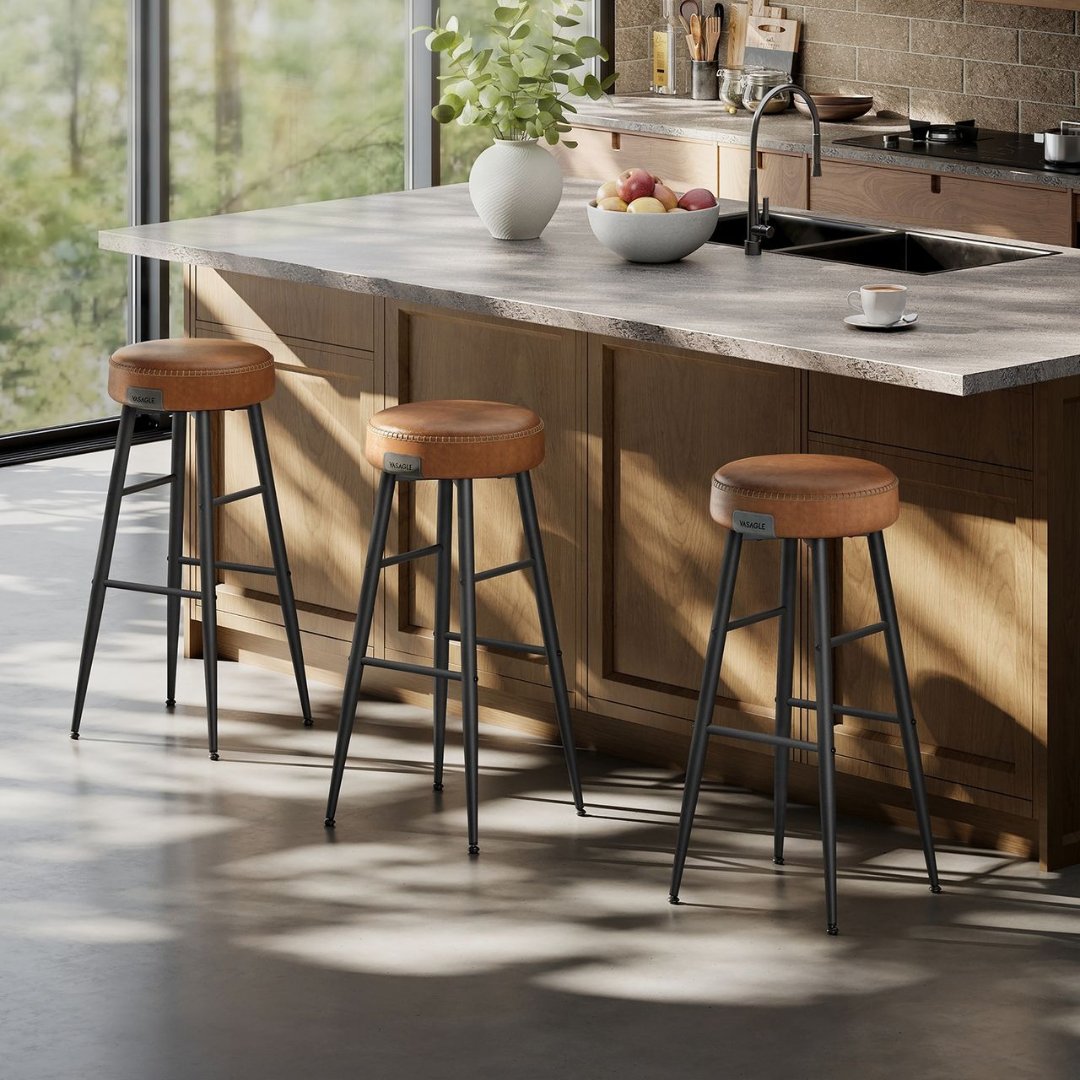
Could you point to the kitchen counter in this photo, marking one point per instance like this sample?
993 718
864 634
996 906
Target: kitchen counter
682 118
979 330
648 378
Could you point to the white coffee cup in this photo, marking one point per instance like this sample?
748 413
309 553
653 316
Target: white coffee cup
882 305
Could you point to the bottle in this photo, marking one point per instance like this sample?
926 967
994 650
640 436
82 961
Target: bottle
665 37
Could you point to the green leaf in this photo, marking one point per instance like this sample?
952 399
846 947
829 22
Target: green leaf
520 32
506 16
443 114
526 111
588 47
568 143
565 20
552 136
441 41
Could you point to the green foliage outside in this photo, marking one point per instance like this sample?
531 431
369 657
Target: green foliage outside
272 102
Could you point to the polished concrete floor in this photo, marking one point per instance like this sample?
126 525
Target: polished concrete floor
163 917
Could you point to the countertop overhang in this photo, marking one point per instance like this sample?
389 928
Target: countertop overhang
979 330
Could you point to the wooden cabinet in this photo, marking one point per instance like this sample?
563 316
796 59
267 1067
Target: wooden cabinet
602 155
442 354
962 558
782 178
325 487
912 197
654 551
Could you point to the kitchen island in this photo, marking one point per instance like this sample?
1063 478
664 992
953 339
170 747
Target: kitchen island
648 378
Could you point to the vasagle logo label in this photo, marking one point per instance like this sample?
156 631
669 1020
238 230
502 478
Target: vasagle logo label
143 399
402 465
761 526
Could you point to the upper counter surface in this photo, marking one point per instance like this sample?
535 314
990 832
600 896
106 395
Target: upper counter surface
681 118
980 329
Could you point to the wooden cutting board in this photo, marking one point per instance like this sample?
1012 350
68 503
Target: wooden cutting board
771 43
735 26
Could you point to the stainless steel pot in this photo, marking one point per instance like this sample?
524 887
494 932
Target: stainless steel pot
1062 146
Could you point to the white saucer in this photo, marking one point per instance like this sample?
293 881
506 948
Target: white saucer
861 322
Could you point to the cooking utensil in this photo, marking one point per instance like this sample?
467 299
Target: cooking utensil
713 26
695 33
737 15
1061 146
688 8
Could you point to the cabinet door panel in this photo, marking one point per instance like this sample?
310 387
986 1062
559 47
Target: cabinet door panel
602 155
962 563
782 178
441 354
909 197
654 550
325 487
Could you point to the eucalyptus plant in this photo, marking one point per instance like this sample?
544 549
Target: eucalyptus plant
520 85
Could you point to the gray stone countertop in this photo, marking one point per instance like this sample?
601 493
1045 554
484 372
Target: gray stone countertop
682 118
978 330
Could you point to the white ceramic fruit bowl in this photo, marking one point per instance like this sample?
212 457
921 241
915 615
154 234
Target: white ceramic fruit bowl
652 238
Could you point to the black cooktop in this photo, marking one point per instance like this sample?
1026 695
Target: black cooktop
982 146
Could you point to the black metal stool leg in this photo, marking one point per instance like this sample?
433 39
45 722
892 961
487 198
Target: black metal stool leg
443 568
469 718
175 569
274 531
207 572
103 562
699 738
902 693
785 668
826 749
365 612
546 611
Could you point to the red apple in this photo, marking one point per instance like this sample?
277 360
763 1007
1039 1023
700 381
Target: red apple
698 198
665 195
634 184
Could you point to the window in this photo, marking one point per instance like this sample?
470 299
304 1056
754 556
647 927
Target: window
63 174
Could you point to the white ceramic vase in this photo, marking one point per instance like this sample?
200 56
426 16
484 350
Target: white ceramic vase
515 186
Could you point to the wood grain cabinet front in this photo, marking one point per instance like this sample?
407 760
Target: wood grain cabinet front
432 353
602 155
782 178
654 550
915 197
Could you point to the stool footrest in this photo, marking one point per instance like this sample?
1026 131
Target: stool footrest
236 496
412 669
749 620
509 646
236 567
848 710
499 571
146 485
761 737
408 556
157 590
854 635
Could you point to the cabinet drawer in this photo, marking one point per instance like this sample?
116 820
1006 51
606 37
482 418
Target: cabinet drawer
907 197
602 155
309 312
994 427
782 178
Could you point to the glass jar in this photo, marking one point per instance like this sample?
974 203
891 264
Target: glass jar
731 86
757 82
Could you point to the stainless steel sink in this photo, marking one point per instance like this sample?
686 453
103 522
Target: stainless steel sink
899 250
793 230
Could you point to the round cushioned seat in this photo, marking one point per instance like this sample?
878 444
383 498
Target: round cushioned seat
191 375
455 440
808 496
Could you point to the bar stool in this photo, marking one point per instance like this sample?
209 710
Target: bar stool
813 498
454 443
202 377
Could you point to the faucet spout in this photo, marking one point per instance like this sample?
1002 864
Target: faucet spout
757 227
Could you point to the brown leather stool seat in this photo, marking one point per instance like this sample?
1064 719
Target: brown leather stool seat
191 375
805 496
455 440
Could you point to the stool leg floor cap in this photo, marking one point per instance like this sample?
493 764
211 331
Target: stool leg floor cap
935 889
673 899
779 861
213 757
474 849
436 787
170 703
329 822
75 736
833 930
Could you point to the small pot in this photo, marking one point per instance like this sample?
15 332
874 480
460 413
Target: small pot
1061 147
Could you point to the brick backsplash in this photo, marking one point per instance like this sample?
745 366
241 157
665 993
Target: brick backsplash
1007 66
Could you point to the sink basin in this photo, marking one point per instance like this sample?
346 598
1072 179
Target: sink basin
793 230
921 253
869 245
